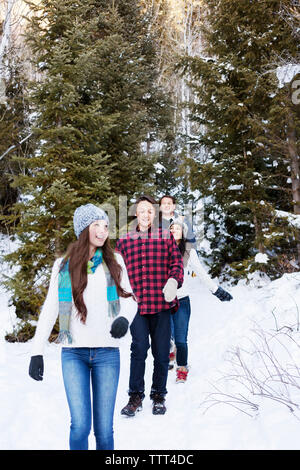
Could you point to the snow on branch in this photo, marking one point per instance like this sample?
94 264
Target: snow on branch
293 219
285 73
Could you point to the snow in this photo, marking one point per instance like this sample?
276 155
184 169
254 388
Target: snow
234 187
286 73
293 219
35 415
261 258
159 168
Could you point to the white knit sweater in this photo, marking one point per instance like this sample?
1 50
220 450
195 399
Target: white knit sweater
96 331
195 265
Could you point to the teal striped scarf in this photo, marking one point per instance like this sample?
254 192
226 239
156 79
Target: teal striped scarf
66 300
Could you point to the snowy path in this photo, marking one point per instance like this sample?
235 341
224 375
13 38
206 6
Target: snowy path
35 415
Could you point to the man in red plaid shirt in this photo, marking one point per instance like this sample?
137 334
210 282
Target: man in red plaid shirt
155 271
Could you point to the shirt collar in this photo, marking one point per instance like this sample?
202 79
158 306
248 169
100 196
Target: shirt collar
136 233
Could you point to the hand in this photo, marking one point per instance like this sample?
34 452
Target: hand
119 327
222 294
170 289
36 367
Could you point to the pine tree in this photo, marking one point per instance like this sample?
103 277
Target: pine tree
127 82
176 27
94 105
236 98
14 125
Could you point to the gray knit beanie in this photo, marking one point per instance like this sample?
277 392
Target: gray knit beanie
85 215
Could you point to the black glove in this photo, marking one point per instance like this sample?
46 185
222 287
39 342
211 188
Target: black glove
222 294
36 367
119 327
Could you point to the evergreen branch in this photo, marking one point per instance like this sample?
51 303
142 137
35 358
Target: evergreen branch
12 147
278 188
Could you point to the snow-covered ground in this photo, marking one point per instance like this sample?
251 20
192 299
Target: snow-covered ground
34 415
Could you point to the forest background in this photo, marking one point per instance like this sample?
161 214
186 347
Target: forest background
105 99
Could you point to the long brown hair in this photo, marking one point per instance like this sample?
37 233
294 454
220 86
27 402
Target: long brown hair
78 255
183 246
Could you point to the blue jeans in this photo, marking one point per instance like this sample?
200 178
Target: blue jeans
158 327
99 367
180 324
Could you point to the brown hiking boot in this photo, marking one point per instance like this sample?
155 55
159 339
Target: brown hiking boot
158 404
134 404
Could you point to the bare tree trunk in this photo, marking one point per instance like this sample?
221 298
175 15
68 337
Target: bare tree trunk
58 250
257 225
295 170
4 44
148 147
258 234
5 39
58 247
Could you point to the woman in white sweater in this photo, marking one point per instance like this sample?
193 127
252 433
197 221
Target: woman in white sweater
90 292
180 320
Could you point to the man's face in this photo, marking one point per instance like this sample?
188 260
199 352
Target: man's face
167 207
145 213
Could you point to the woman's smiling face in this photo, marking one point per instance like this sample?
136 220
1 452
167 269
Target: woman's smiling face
98 233
176 231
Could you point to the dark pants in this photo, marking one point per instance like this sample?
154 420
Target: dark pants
180 324
158 327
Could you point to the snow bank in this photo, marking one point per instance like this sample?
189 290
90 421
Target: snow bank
35 415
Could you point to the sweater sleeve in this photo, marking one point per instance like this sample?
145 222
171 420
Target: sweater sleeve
196 266
128 305
48 313
176 263
190 237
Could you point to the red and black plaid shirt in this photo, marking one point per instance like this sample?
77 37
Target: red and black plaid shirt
151 258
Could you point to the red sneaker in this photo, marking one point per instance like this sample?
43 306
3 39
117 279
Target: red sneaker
181 374
172 355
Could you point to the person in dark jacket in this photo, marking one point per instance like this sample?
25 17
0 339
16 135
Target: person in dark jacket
168 213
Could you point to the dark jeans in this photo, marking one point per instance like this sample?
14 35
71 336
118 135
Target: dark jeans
83 369
180 323
158 327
